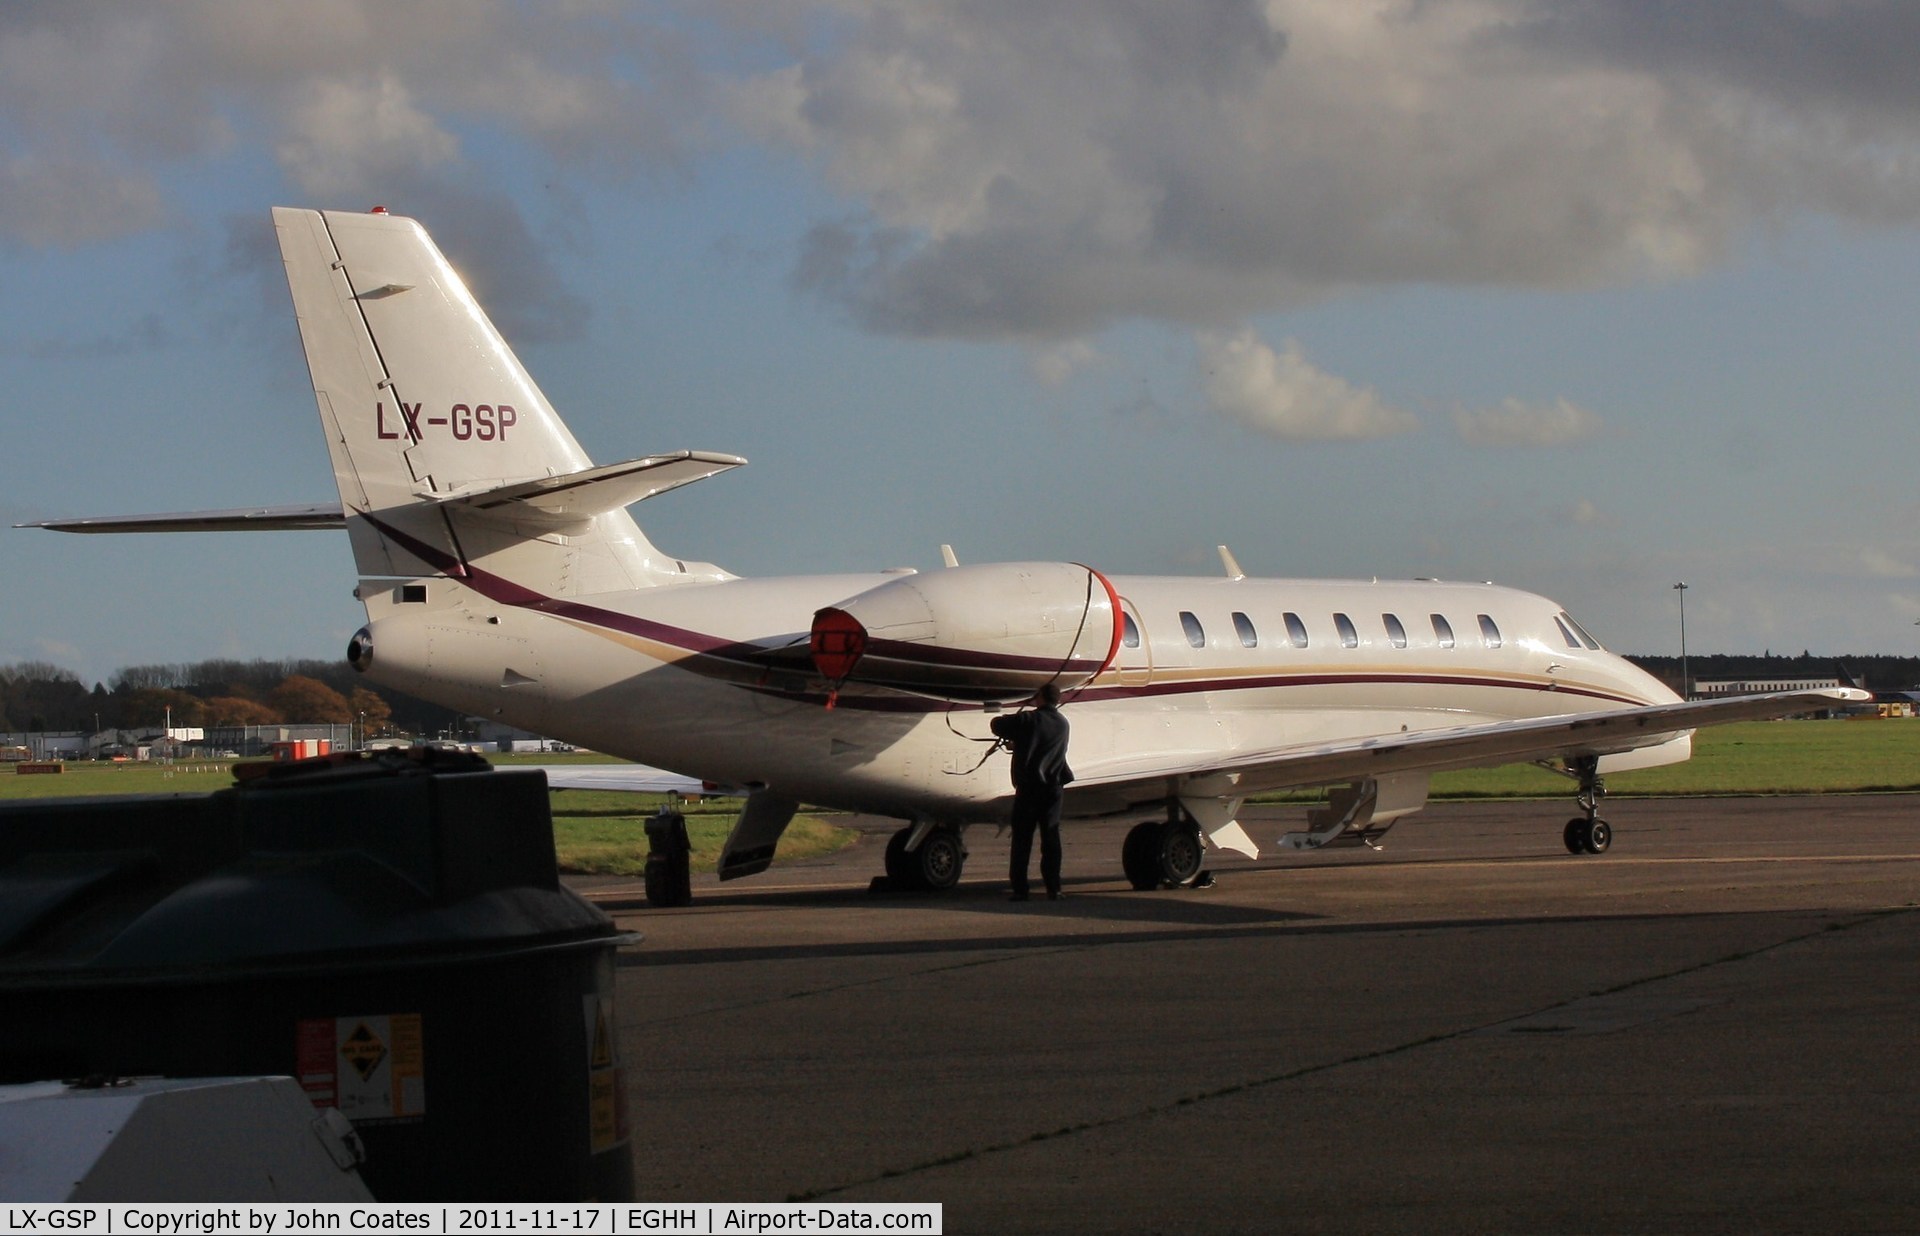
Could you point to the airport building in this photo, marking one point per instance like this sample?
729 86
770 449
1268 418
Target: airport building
1708 688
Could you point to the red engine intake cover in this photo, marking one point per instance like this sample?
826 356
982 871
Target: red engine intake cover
838 643
992 631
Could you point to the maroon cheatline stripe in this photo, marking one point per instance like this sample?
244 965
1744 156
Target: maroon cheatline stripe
1204 685
1262 681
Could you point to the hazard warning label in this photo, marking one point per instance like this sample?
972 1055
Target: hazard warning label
371 1068
364 1052
606 1080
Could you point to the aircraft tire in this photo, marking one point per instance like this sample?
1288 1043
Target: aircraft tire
1598 837
1137 856
1179 853
1576 844
939 860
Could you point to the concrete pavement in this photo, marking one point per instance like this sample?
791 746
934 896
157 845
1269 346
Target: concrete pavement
1711 1027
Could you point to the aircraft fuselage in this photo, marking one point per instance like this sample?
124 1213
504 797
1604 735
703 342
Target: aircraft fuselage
708 679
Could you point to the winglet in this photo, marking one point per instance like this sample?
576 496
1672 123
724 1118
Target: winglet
947 556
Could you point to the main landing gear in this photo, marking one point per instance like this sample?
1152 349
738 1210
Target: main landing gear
1158 853
1588 834
932 866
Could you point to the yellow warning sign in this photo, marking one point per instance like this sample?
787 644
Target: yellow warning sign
602 1038
363 1051
409 1066
379 1069
606 1080
603 1106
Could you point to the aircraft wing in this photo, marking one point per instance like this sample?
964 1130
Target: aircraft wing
1470 746
625 778
239 519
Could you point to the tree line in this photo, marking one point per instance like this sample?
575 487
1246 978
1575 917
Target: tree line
1877 672
39 696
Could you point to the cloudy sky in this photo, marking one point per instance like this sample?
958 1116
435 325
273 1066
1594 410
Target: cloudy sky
1583 296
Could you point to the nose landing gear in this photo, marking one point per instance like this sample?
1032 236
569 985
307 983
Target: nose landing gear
1588 833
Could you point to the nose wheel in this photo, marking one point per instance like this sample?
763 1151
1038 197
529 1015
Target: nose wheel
1588 833
1584 836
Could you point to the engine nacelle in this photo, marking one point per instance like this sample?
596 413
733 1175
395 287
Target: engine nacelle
456 659
993 631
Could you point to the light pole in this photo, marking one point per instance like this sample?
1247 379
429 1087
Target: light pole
1686 682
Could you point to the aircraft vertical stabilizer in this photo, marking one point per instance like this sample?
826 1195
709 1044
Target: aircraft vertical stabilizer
423 404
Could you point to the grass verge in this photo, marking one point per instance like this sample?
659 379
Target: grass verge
594 832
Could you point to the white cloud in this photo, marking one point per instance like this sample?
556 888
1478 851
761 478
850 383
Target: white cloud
1036 169
1883 565
1585 513
1056 365
349 136
66 202
1516 423
1907 607
1040 169
103 106
1283 394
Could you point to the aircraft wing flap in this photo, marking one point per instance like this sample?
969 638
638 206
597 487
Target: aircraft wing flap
1472 746
238 519
748 849
581 495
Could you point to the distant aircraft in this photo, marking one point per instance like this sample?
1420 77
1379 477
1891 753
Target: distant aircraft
502 575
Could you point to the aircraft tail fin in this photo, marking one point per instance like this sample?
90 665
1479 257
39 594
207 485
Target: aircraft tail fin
447 455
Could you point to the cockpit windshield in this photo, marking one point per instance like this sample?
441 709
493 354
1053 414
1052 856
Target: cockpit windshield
1581 631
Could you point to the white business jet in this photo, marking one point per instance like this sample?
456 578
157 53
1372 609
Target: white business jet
502 575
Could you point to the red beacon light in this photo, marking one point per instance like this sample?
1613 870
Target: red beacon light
378 210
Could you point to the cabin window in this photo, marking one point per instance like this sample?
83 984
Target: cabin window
1442 630
1243 626
1573 641
413 594
1296 629
1129 631
1581 632
1349 637
1196 634
1395 632
1489 632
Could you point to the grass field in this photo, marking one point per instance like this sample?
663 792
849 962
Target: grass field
604 832
600 832
1756 757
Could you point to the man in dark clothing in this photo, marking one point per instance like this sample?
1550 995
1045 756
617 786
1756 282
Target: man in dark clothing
1040 773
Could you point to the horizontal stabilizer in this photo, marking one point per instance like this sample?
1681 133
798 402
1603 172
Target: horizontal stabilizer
242 519
555 499
582 495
